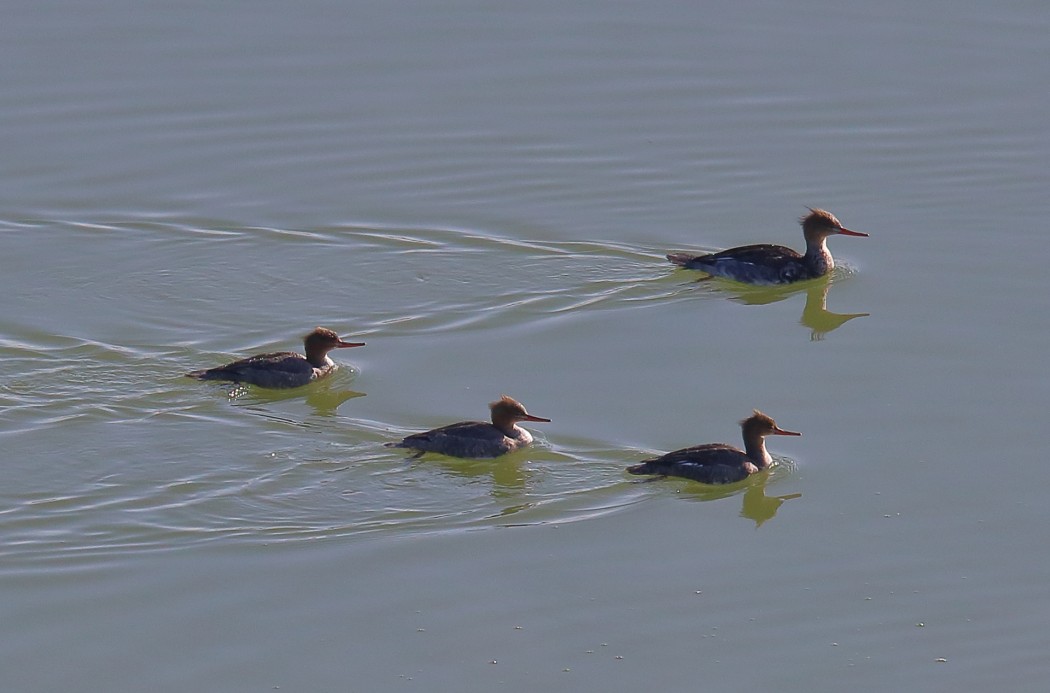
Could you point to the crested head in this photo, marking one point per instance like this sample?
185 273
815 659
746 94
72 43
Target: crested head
820 224
820 219
320 335
508 406
322 340
763 425
506 411
758 421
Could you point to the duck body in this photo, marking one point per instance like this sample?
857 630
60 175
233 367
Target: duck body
768 264
713 463
762 264
282 369
719 463
477 439
473 439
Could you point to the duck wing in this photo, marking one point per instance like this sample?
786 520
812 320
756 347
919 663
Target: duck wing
713 463
282 363
464 439
762 263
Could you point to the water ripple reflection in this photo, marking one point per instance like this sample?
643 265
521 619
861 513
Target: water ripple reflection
109 448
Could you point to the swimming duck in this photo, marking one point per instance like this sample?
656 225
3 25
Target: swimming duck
283 369
774 264
719 463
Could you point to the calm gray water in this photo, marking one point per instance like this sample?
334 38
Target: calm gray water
484 192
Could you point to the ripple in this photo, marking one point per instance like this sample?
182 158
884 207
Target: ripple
111 449
338 482
458 279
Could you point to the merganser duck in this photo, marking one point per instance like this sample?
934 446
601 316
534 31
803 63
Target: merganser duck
477 438
774 264
283 369
719 463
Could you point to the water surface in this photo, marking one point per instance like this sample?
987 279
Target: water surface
484 194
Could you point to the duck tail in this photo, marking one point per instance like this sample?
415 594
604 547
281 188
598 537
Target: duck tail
643 468
211 374
681 259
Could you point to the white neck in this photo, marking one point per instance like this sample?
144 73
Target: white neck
758 454
819 257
